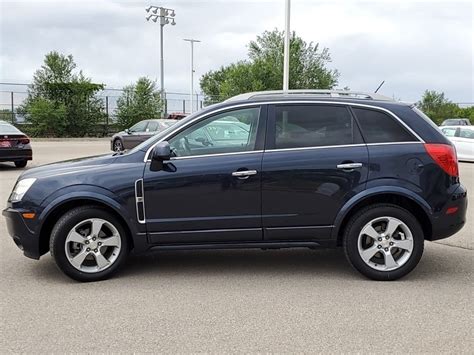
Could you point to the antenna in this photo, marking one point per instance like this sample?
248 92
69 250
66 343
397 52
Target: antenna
383 82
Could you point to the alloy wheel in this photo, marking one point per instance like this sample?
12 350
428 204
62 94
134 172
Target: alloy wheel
93 245
385 243
118 146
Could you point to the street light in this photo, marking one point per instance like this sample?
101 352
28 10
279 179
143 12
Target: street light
165 16
192 70
286 52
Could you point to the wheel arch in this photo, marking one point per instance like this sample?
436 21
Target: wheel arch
415 205
53 213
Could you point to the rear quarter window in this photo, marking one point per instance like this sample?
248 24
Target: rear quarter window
379 127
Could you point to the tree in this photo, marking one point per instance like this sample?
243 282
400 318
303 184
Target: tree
263 70
61 102
140 101
437 107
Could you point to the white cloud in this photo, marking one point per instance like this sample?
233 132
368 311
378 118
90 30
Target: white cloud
412 45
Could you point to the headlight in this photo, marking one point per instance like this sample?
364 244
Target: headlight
20 189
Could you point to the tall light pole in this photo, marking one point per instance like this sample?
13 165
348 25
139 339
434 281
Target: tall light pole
165 16
192 70
286 53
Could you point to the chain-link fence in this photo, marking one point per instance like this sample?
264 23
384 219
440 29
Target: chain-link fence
12 95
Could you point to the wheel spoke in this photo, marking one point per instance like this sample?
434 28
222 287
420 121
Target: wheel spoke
392 226
101 260
75 237
368 254
79 259
405 244
113 241
371 232
96 226
390 262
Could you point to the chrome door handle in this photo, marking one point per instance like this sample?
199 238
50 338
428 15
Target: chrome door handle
244 174
349 166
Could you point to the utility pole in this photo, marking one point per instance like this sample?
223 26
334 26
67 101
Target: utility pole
165 16
286 54
192 72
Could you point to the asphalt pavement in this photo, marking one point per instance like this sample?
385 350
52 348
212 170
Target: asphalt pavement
234 301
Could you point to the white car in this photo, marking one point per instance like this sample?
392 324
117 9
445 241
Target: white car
463 139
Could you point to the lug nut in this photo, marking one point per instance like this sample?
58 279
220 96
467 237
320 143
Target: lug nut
99 243
391 243
386 249
379 239
387 237
87 242
94 238
88 249
96 250
380 247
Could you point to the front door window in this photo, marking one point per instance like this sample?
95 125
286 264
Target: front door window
229 132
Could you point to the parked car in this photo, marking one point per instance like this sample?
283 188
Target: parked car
177 115
463 139
138 133
456 122
272 170
14 145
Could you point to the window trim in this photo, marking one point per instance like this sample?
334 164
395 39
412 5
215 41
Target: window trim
404 126
264 109
271 127
259 139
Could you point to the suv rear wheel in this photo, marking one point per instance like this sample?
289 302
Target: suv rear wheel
383 242
88 243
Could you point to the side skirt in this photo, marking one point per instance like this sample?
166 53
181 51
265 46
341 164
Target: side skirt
248 245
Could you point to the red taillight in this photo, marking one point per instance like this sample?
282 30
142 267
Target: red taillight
445 156
24 140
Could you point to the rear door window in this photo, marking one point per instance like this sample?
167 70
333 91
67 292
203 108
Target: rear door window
466 133
298 126
379 127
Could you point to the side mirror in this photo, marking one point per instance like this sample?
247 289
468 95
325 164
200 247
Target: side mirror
162 151
127 131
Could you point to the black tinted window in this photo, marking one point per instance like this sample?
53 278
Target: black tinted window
312 125
378 127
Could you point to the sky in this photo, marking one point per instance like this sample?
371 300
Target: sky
412 45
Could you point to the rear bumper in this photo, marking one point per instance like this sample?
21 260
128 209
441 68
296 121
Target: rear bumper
15 154
446 225
23 237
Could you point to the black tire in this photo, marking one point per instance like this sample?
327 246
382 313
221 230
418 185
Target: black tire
58 241
20 163
118 145
361 219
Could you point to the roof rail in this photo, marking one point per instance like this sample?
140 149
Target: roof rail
311 92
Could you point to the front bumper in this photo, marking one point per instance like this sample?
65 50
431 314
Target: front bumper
446 225
23 237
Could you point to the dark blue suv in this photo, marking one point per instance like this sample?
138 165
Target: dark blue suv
262 170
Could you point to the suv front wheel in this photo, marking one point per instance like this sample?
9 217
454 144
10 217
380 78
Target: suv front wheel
383 242
88 243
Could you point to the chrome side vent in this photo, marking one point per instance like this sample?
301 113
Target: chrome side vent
140 201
